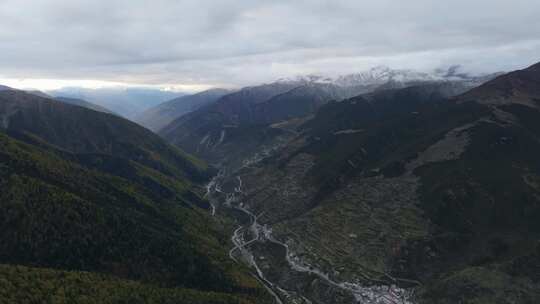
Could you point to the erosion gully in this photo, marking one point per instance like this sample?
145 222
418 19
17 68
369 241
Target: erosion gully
286 276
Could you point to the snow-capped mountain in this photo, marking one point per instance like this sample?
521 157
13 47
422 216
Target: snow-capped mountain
306 79
382 75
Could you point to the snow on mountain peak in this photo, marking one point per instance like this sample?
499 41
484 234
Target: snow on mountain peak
306 79
380 75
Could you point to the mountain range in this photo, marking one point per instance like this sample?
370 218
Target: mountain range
126 102
235 125
380 75
74 101
161 115
83 103
417 188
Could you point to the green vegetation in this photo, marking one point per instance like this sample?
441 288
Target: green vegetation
356 234
443 192
392 128
88 191
480 285
79 130
25 285
485 209
57 213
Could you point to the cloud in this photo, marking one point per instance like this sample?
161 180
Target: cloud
203 42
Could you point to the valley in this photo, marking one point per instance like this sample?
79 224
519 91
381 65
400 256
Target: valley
329 215
415 194
255 245
269 152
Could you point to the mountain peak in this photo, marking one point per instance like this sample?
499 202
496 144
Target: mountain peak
534 67
305 79
381 74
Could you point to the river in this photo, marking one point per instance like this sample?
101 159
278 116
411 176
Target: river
252 233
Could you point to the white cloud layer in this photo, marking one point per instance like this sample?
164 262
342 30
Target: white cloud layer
196 43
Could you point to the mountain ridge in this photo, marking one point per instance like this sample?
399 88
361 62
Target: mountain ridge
84 104
161 115
218 132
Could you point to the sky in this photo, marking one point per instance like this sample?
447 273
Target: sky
191 45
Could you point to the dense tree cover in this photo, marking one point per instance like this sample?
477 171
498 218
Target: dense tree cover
80 130
25 285
60 214
117 201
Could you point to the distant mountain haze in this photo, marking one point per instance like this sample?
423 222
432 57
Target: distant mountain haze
127 102
161 115
39 93
83 103
74 101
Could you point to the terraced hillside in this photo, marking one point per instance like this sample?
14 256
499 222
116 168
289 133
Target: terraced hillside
406 187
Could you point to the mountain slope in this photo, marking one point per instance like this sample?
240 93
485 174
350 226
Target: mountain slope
519 87
161 115
38 93
89 191
252 119
233 129
296 103
242 124
127 102
49 285
407 187
74 101
84 104
81 131
215 131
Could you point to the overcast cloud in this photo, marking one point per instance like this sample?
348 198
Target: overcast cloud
219 42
